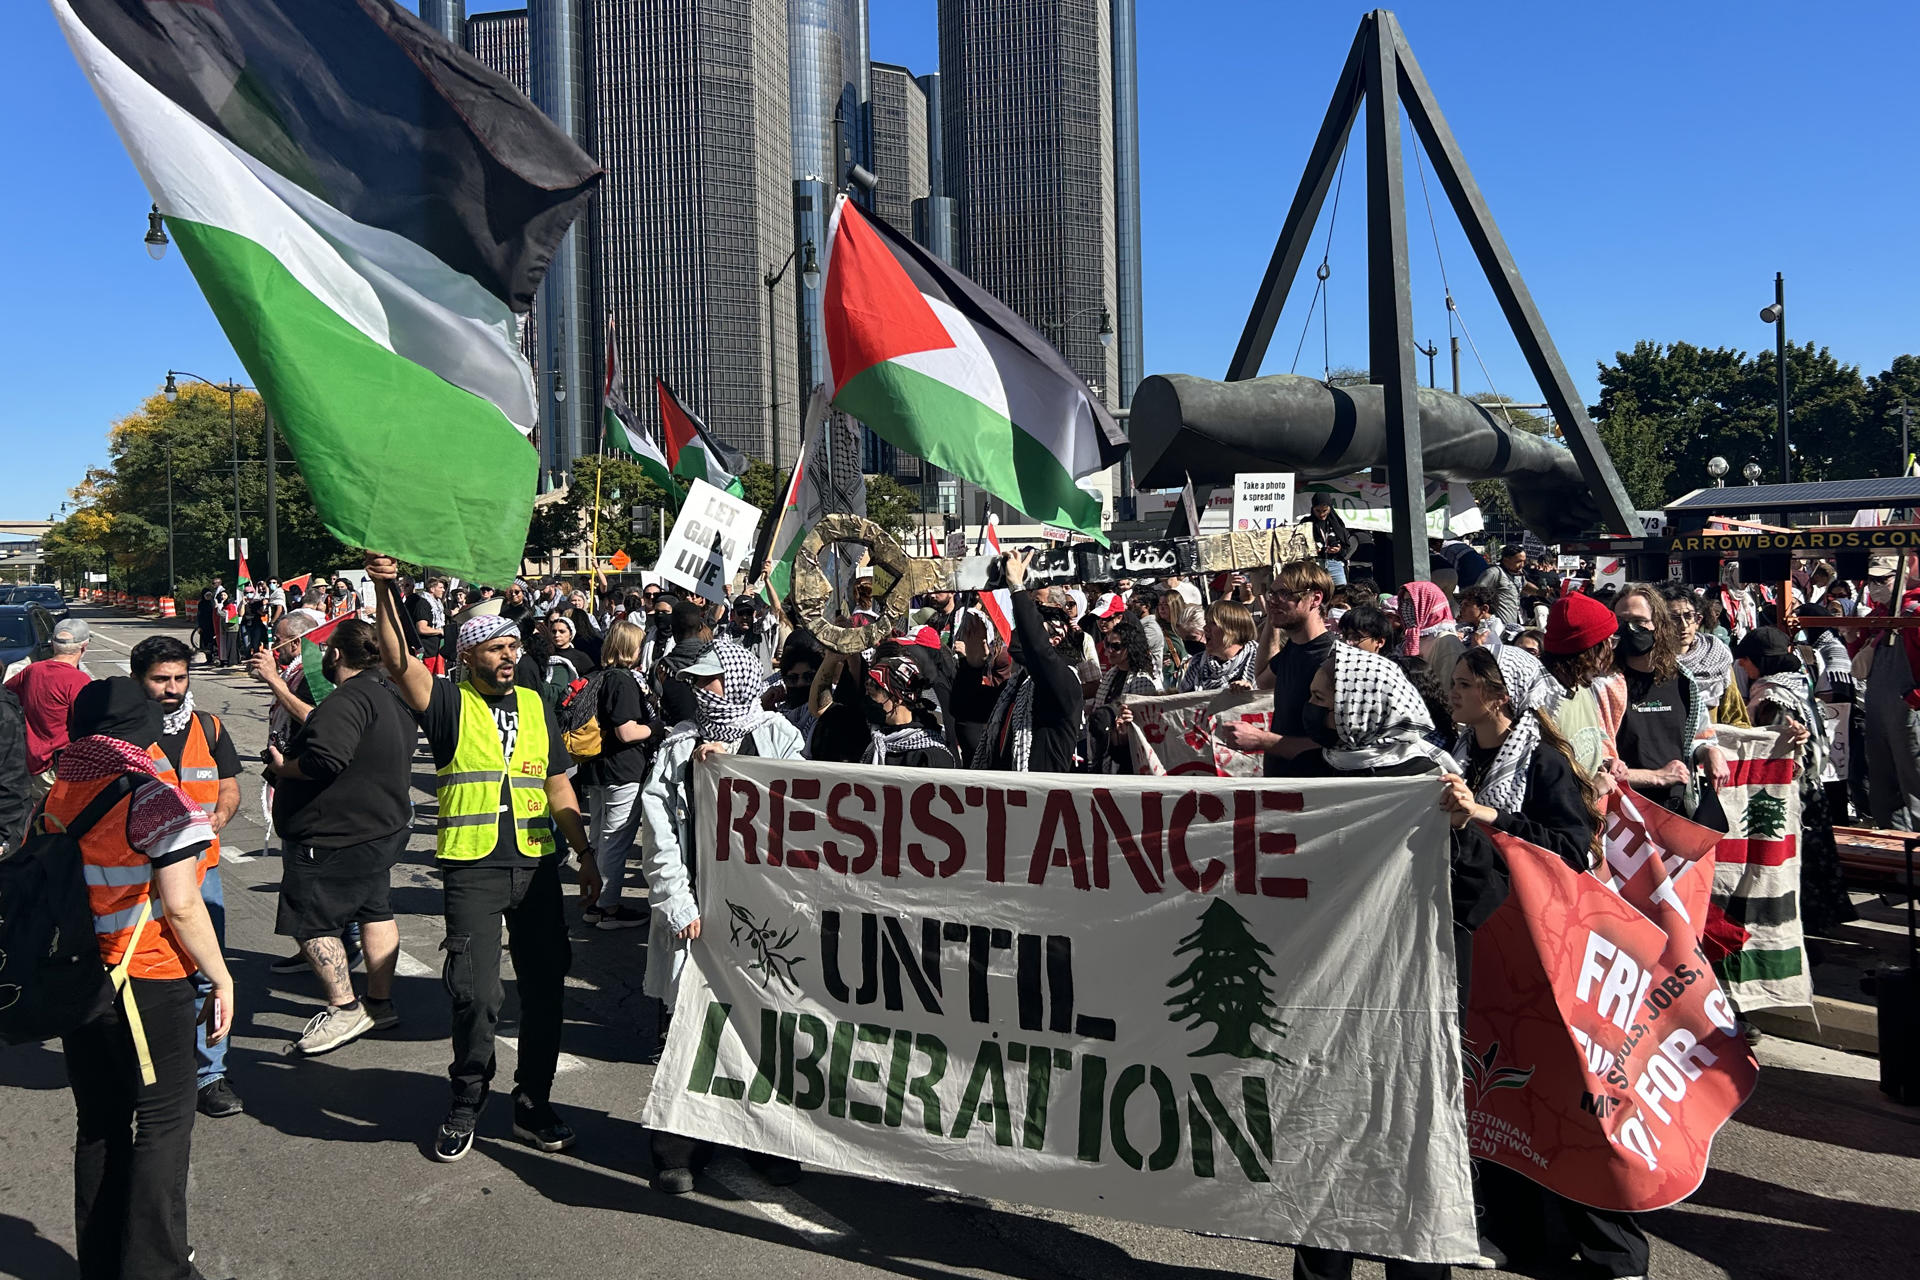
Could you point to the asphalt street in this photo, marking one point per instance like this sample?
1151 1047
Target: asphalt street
326 1175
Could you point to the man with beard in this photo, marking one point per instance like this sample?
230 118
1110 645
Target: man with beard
1295 603
753 630
502 790
195 753
1035 725
341 806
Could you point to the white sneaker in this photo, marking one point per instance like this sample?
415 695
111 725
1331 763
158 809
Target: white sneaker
332 1027
1492 1257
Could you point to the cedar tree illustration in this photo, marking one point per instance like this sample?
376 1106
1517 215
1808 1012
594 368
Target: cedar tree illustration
1766 816
1224 985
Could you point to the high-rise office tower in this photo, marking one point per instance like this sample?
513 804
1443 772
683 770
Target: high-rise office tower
899 115
828 89
933 217
690 120
448 17
1127 317
499 40
565 356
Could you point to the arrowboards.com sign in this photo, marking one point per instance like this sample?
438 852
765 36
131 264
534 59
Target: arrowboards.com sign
1227 1005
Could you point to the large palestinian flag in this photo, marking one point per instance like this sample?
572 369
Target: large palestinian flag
692 451
621 432
939 367
365 207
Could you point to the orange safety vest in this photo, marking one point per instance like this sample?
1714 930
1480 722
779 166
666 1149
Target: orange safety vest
198 775
119 880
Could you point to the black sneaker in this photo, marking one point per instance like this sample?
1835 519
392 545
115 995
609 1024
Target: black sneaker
384 1015
539 1126
217 1099
455 1138
622 917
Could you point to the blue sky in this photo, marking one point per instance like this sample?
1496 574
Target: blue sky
1651 165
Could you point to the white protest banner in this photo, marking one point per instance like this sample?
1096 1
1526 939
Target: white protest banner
1227 1005
1569 564
711 540
1178 733
1262 500
1362 504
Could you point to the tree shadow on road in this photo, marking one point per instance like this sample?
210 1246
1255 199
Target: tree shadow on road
26 1253
1817 1235
1802 1104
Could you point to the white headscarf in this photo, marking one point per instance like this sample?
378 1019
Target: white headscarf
1378 716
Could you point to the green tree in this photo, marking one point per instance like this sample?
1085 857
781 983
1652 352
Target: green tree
1496 506
1225 985
1635 444
892 506
1880 425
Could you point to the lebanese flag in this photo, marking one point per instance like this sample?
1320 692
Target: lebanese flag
692 453
366 207
998 604
939 367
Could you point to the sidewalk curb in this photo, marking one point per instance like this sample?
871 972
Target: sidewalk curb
1846 1025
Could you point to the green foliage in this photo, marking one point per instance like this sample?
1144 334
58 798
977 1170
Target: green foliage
1680 405
1495 504
120 525
892 505
763 487
624 493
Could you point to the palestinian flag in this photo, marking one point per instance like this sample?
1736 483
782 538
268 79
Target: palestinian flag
939 367
691 452
998 605
623 434
800 510
365 207
313 652
299 584
242 577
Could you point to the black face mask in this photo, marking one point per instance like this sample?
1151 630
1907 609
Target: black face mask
877 715
1319 723
1636 640
1195 647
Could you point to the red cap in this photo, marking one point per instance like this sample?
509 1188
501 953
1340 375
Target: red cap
1576 623
925 637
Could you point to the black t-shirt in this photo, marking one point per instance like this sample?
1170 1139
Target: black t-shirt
1653 732
1293 669
356 750
441 723
225 758
621 703
420 610
581 661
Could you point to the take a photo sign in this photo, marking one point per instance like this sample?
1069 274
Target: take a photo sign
1226 1005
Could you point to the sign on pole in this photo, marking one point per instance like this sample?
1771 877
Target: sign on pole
620 561
710 541
1262 500
243 549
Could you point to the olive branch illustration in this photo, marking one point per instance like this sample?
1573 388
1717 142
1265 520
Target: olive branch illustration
768 946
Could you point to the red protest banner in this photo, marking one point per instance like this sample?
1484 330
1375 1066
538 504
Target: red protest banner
1602 1056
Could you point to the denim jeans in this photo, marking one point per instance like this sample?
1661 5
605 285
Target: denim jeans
525 896
131 1150
616 823
211 1059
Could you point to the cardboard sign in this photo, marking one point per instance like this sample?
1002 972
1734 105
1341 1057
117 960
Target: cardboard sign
1262 500
710 542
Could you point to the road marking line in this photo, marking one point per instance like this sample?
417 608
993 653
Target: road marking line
781 1205
408 967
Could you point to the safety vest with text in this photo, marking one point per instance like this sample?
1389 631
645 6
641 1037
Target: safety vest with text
119 881
198 775
470 785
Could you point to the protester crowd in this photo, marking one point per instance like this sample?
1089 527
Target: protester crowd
564 719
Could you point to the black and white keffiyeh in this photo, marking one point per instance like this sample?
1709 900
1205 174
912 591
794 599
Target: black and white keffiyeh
173 722
1378 716
734 712
1012 718
1710 663
436 609
1204 671
910 737
1505 786
1528 686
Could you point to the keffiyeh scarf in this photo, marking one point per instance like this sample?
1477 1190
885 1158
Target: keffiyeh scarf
910 737
1204 671
177 721
1012 717
1792 693
1528 686
1425 612
159 819
1378 716
436 610
734 712
1710 663
1505 786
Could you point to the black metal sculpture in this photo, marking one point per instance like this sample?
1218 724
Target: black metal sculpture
1185 427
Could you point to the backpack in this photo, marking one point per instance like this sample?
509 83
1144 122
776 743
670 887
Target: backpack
51 977
579 716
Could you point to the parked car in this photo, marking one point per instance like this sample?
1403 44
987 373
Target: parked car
26 635
46 595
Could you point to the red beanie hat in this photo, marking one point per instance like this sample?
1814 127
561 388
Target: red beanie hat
1576 623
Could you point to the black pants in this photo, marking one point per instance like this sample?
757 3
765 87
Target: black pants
1536 1226
527 898
1333 1264
130 1153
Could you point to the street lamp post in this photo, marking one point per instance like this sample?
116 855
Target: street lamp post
1776 315
1717 468
167 448
232 389
810 278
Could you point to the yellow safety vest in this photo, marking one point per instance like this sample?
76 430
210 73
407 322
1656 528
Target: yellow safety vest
469 784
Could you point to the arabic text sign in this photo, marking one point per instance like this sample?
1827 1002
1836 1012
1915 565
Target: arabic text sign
1262 499
1224 1005
711 540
